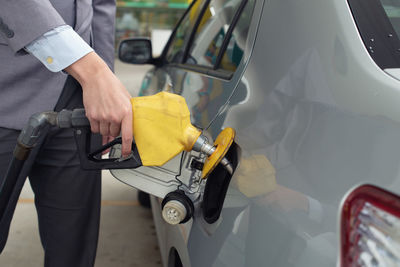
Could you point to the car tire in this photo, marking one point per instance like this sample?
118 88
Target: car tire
144 199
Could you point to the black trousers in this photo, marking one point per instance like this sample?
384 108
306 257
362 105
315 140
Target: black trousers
67 198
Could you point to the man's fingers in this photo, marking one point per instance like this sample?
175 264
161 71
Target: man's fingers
104 128
94 126
115 129
127 135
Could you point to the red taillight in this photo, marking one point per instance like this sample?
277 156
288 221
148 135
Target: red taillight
370 228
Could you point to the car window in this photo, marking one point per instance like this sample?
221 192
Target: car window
378 22
234 52
392 10
211 34
182 34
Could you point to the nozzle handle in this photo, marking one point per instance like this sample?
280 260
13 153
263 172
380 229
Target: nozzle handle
91 160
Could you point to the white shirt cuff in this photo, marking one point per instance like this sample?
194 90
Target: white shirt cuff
59 48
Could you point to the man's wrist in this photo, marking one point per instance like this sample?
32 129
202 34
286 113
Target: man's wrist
87 68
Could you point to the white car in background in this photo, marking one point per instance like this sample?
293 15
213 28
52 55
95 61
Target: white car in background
312 89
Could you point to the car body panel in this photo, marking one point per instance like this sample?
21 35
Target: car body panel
314 116
326 118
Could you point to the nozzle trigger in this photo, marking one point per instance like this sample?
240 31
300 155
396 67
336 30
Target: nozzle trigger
91 160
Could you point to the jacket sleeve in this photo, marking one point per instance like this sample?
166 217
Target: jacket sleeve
23 21
103 29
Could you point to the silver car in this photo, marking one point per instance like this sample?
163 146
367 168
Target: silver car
312 89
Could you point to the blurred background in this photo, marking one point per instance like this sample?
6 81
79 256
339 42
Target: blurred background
148 18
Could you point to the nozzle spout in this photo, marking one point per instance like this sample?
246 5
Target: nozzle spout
203 146
227 165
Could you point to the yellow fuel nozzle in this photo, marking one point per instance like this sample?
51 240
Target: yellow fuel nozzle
162 129
216 153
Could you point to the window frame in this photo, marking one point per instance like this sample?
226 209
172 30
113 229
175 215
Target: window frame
214 70
163 55
228 36
172 37
194 30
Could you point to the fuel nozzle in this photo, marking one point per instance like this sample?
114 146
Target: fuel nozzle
162 129
216 152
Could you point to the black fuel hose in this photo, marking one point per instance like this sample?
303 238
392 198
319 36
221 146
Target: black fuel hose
8 185
27 140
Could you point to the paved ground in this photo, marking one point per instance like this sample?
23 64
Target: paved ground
127 233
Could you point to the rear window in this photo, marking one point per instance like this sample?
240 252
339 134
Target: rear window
392 10
379 26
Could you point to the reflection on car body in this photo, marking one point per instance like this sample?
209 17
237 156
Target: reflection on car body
313 96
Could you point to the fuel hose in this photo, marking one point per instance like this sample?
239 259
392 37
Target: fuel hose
26 141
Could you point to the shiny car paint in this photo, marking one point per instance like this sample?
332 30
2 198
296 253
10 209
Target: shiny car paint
314 116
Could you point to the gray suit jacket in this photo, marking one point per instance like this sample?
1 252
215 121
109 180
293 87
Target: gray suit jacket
26 86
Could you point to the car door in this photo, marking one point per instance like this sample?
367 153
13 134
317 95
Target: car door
203 62
159 181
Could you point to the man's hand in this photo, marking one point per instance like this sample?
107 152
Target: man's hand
106 100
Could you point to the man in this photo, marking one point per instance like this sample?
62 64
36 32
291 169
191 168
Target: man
40 42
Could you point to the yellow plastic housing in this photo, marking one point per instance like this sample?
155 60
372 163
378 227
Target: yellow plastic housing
222 144
162 127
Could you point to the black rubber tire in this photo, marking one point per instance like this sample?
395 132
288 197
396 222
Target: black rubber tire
144 199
